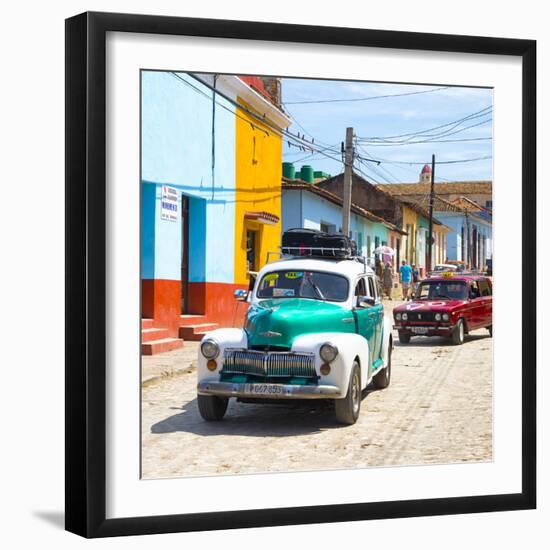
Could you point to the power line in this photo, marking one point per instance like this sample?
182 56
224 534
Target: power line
476 114
457 161
301 127
448 132
278 131
374 144
451 131
367 176
307 102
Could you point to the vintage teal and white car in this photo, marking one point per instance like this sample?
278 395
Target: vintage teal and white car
315 329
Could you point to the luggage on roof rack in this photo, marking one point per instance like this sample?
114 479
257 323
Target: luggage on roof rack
310 242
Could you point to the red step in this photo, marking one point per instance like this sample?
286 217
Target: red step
192 319
161 346
196 332
150 334
146 323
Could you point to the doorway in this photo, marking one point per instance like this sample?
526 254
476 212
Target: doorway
184 253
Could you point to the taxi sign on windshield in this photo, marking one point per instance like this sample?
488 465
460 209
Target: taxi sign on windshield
447 274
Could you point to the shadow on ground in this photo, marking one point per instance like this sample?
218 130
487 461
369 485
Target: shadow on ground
429 341
57 519
256 420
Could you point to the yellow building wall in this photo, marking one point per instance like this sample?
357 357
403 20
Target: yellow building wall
258 179
440 236
409 218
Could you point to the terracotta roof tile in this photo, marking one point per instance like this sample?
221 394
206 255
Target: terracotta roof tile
452 187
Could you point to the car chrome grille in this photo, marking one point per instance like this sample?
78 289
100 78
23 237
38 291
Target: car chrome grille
269 364
421 316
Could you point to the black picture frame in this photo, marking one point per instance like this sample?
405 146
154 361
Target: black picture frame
86 268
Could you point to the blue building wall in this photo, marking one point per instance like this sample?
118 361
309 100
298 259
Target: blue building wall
177 151
456 221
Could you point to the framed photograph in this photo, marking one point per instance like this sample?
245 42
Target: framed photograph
300 283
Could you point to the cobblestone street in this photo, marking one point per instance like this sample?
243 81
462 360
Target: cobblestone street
437 409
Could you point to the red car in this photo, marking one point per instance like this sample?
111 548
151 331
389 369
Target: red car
449 305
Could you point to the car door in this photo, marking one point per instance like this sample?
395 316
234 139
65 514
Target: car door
365 318
377 312
475 306
487 302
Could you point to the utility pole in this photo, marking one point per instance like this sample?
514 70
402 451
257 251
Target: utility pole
430 231
348 172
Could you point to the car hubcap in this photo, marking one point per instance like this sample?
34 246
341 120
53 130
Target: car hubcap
461 332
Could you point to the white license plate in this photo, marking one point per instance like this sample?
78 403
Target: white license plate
263 389
420 330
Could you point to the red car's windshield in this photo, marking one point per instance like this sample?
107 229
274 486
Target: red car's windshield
442 290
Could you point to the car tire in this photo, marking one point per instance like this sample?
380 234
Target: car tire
404 337
347 409
382 379
211 407
490 329
458 333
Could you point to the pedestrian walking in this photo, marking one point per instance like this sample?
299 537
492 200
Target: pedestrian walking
387 279
414 273
405 273
378 267
415 279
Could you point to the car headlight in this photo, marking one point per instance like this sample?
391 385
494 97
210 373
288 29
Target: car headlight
446 317
438 316
210 349
398 316
328 352
404 316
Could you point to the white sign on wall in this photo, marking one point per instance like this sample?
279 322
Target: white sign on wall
169 204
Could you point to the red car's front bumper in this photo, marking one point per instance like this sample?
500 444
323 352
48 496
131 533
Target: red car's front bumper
425 329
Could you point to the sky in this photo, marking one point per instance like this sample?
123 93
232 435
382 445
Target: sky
326 120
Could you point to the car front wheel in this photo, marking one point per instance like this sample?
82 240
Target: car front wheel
458 333
347 409
212 407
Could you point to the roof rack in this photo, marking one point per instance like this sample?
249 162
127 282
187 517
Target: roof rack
318 252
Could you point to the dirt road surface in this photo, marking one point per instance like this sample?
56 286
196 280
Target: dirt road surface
437 410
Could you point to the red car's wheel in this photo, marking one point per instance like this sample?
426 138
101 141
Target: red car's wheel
458 333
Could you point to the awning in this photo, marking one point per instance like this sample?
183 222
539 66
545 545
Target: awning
262 217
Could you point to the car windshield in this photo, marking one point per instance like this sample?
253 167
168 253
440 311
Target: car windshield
316 285
442 290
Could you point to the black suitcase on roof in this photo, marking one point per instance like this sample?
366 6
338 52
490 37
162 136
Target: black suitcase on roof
336 245
299 238
311 242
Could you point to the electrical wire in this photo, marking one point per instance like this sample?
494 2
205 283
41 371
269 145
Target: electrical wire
309 102
417 132
456 161
301 127
277 131
370 144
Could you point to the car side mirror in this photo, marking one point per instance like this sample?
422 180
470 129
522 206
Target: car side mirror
240 295
365 301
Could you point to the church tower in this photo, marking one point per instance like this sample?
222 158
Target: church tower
426 174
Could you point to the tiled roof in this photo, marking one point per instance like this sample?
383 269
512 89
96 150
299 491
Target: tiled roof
464 203
335 199
446 188
407 201
440 204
